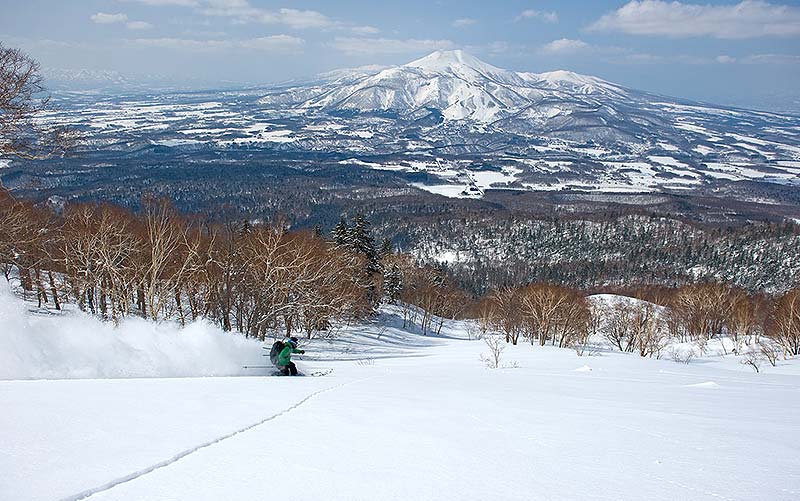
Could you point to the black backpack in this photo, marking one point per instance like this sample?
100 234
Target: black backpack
277 346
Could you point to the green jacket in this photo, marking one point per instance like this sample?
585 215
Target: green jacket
285 356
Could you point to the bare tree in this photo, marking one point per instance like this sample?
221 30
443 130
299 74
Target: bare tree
507 316
21 236
770 350
496 346
743 318
23 132
485 312
619 325
97 251
161 263
702 309
681 355
783 325
651 337
753 359
553 312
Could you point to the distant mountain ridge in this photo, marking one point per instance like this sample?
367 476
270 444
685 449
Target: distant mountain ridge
118 83
63 78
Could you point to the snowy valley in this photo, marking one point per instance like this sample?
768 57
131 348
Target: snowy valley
452 125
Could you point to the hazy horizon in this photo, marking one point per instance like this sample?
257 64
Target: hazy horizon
737 53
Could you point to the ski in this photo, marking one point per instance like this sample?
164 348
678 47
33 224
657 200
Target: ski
323 372
319 373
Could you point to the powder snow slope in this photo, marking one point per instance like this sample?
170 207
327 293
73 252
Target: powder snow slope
404 416
406 427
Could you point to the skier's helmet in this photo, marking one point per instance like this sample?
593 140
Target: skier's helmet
293 340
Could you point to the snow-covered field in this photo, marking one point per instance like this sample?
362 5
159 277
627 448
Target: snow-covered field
402 416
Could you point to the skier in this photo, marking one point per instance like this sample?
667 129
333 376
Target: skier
285 363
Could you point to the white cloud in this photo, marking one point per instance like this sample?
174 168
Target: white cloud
139 25
644 58
550 17
498 47
365 30
282 44
624 55
372 46
772 59
564 46
627 57
304 19
180 3
243 12
274 43
463 22
103 18
747 19
45 44
184 44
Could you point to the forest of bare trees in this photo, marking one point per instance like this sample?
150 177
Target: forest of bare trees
256 279
262 279
551 314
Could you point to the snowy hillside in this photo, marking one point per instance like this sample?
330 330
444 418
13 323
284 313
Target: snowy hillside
400 417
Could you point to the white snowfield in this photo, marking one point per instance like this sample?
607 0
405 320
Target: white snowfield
402 417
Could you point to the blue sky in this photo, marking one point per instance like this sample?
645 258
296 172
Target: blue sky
738 52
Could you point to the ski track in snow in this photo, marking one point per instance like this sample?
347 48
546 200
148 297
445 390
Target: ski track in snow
144 471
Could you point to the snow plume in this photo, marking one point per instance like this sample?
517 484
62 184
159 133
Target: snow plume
76 345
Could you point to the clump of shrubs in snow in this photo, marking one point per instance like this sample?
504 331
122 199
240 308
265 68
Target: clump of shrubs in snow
683 323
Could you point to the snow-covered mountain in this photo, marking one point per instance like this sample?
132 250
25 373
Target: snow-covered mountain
459 85
458 88
577 131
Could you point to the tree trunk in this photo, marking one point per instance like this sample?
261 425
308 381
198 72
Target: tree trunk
140 303
54 291
90 299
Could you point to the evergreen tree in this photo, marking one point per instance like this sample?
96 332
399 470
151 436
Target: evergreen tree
392 282
386 248
341 233
361 242
246 228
